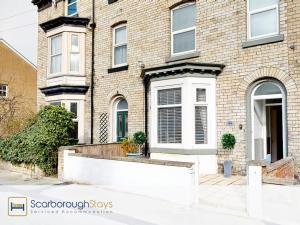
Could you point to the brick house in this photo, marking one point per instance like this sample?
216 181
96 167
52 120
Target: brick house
18 83
186 72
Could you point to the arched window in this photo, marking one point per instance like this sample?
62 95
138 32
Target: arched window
268 126
121 119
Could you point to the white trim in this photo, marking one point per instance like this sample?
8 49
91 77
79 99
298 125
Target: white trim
18 53
182 31
264 9
188 86
114 45
284 116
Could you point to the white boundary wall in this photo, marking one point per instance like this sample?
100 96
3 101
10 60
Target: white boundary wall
113 172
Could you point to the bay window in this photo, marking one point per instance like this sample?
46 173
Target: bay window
120 45
56 54
74 54
66 54
183 114
184 29
263 18
169 115
201 105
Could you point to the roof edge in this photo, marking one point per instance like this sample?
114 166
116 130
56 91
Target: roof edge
18 53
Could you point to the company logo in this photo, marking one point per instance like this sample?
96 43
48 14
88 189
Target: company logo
17 206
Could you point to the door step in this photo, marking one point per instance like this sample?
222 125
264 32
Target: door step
281 172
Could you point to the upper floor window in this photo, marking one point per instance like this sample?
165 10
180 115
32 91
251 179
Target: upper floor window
56 54
66 54
72 7
184 28
3 90
263 18
74 54
120 45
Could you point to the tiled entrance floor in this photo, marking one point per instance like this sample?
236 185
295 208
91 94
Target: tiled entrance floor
219 179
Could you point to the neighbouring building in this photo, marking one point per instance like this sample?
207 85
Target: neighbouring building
185 72
18 84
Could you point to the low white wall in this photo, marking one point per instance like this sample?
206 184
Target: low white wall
206 164
113 172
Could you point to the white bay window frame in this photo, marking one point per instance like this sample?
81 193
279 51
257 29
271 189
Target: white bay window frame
55 55
74 52
66 35
261 10
170 106
188 92
173 33
116 45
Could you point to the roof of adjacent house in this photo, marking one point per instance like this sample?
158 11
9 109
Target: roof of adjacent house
17 52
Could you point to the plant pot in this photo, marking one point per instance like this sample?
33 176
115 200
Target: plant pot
135 154
227 168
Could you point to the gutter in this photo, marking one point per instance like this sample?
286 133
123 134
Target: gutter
93 26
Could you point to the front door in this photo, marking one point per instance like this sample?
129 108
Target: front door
275 123
122 125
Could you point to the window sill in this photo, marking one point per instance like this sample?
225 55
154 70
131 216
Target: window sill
182 57
263 41
184 151
117 69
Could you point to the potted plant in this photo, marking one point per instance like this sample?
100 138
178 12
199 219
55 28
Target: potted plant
228 143
129 147
140 139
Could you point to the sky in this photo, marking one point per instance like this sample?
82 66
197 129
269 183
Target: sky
19 26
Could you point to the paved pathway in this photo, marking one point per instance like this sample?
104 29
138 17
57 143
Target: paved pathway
219 179
12 178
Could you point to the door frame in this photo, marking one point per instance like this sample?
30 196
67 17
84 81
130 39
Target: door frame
284 115
114 117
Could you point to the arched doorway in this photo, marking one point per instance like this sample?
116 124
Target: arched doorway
121 119
268 121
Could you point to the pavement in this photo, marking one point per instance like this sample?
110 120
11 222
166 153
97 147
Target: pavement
217 200
13 178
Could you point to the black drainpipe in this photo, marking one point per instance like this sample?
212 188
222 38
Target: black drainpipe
93 26
146 88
